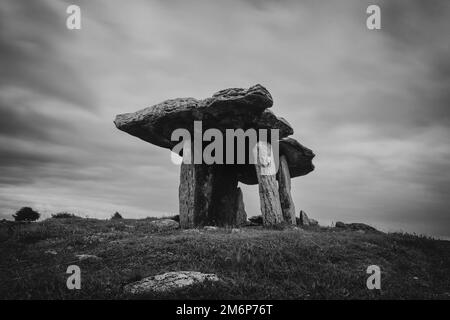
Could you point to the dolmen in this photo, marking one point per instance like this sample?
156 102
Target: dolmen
230 138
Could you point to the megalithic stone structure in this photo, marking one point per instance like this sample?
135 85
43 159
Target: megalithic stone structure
284 189
209 193
268 188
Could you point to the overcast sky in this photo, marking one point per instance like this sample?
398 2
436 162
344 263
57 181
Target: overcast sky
372 105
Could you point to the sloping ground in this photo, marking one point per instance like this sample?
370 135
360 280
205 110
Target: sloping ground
321 263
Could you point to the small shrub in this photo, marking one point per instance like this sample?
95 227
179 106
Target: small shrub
63 215
116 216
26 214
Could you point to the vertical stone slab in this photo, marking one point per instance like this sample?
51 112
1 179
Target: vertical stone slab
223 207
186 196
240 214
284 189
268 187
195 194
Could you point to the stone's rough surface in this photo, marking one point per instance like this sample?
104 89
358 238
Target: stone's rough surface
224 196
313 222
168 282
284 189
195 194
268 187
258 220
83 257
298 157
165 224
303 219
241 215
355 226
227 109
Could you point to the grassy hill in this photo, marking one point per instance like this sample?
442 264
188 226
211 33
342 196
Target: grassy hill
255 263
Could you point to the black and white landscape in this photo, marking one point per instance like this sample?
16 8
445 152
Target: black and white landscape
91 91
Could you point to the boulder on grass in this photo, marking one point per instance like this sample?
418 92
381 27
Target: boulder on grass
168 281
165 224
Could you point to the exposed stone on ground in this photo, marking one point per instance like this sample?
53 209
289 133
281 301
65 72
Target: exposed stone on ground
165 224
258 220
168 282
52 252
313 222
210 228
355 226
83 257
191 231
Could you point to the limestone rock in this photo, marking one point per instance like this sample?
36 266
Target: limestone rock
313 222
241 215
284 189
298 157
83 257
211 228
303 219
268 188
195 194
168 281
227 109
165 224
223 210
258 220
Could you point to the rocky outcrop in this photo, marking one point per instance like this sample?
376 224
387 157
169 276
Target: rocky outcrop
168 281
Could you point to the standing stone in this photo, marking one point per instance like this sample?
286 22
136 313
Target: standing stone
195 194
284 188
223 208
241 215
267 182
303 219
